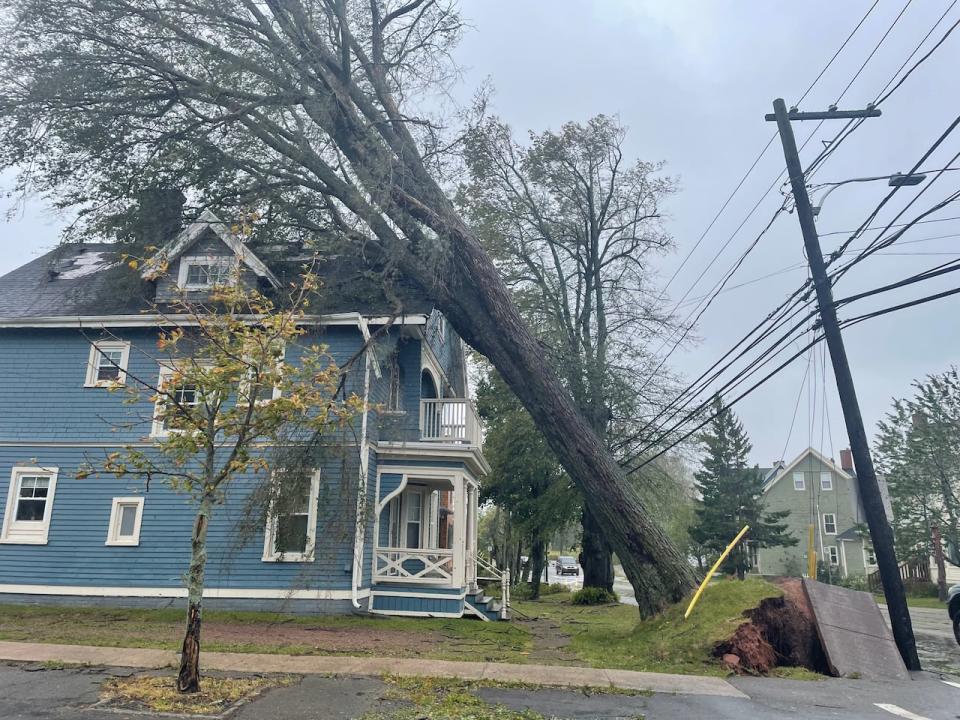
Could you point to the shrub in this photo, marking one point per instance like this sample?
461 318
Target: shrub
553 589
595 596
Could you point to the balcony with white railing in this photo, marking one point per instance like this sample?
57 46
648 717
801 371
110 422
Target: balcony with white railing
413 565
449 420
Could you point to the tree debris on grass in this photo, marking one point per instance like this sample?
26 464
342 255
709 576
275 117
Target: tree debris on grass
158 693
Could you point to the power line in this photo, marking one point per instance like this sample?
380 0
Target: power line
874 51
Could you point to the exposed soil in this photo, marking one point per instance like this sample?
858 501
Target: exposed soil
549 643
325 640
779 632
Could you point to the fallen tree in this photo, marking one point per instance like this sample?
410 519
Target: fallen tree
305 109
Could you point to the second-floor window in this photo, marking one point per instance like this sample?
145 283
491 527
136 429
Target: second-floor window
826 481
829 523
107 364
798 483
202 273
174 401
395 378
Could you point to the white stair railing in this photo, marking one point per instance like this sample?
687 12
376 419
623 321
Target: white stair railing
493 573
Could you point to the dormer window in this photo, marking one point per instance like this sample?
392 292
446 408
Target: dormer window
203 273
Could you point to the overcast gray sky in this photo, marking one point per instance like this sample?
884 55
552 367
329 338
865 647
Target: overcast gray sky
692 81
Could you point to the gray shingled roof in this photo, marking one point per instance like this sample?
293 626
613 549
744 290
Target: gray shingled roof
70 280
87 279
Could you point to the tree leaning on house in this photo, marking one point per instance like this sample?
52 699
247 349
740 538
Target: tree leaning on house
318 111
228 404
732 495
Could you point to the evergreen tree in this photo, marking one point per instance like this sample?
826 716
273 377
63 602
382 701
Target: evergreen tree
732 494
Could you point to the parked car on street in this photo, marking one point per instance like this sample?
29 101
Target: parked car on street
953 609
566 565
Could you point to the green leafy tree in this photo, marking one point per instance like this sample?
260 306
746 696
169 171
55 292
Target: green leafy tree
226 393
575 227
918 451
732 494
526 479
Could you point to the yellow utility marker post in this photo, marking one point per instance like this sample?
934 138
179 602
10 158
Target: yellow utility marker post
723 556
811 556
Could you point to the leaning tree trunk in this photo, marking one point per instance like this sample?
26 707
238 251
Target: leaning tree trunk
596 555
188 680
471 294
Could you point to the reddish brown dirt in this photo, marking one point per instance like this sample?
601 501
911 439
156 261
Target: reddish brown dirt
780 631
323 640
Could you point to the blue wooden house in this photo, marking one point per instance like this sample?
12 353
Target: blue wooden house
390 526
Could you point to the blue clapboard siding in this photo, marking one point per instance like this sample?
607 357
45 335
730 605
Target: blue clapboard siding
394 603
76 555
448 350
402 425
42 397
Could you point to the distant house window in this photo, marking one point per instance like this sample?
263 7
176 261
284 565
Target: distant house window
798 481
869 556
125 517
107 364
26 519
203 273
173 402
832 555
829 524
826 481
291 530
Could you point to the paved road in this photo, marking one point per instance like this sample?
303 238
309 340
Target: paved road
936 646
36 693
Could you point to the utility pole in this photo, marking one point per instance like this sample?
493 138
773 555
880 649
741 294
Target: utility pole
880 531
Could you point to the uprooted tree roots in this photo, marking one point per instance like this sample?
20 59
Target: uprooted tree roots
779 632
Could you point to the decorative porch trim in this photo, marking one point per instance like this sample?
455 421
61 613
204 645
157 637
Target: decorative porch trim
419 595
468 606
418 613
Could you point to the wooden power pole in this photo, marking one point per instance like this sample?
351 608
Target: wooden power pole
880 531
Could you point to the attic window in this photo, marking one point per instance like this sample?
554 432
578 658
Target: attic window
203 273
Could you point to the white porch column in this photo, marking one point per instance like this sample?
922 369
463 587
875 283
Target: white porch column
459 531
472 535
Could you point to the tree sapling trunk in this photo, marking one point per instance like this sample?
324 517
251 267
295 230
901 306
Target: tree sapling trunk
188 679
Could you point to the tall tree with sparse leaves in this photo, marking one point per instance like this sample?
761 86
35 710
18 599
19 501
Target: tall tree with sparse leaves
732 494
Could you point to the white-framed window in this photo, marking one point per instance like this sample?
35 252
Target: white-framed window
413 519
185 395
198 272
798 481
833 555
829 524
26 519
826 481
247 384
291 533
126 513
869 556
395 389
107 363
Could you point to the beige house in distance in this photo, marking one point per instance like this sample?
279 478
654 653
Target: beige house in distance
820 493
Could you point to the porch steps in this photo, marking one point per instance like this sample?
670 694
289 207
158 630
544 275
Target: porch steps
488 606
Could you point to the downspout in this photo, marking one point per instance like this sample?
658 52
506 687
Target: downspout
356 576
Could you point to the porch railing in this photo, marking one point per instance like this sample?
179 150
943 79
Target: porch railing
450 420
428 566
486 570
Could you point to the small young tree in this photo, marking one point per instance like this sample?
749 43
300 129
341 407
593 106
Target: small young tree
226 393
732 494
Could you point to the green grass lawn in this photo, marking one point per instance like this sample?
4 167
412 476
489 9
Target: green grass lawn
612 636
918 602
600 636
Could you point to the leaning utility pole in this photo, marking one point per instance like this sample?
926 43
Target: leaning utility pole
873 507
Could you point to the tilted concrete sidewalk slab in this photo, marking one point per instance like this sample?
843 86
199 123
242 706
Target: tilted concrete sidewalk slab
546 675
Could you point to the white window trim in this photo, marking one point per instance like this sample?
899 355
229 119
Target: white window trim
187 260
825 516
157 429
94 358
828 485
830 555
243 387
28 532
270 532
421 493
803 483
866 559
113 529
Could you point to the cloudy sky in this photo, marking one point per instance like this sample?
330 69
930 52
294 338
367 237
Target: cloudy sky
692 81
